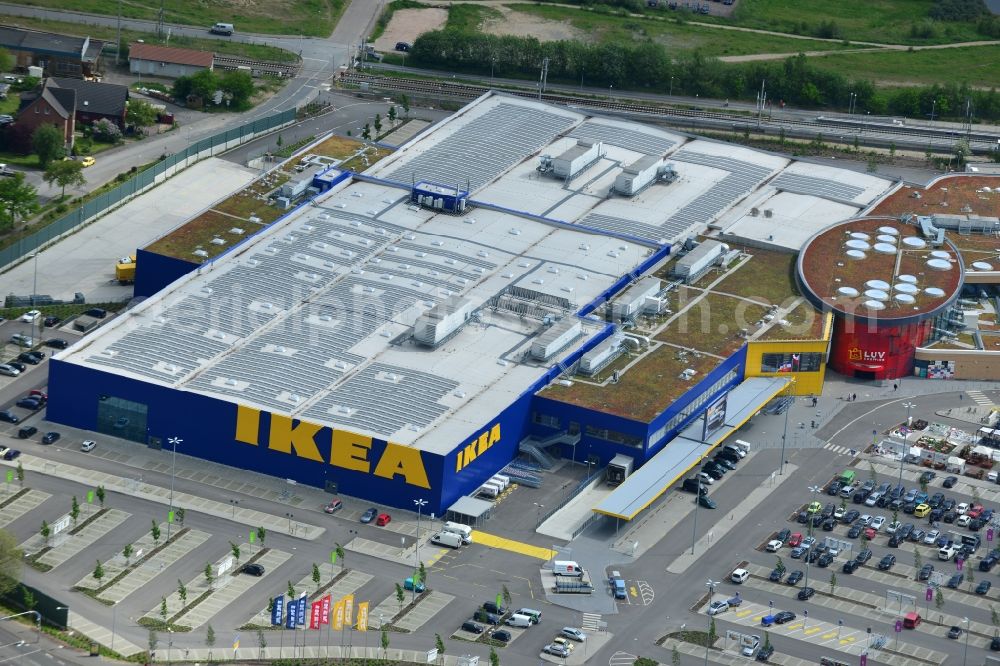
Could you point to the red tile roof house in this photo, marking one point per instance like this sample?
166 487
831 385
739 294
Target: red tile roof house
153 60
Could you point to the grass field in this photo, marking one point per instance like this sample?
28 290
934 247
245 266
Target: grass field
881 21
315 18
977 65
469 17
676 37
258 51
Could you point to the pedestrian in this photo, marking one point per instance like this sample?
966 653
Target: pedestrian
854 396
895 386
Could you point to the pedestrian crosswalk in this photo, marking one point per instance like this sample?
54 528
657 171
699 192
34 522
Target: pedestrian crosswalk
980 398
591 622
622 659
842 450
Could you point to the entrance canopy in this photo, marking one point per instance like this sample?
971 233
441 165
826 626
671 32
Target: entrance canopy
685 451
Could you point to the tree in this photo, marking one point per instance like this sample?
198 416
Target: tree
280 142
962 151
18 200
391 114
204 84
316 577
439 644
767 639
892 158
63 173
106 131
399 595
971 576
140 114
871 472
163 608
494 657
378 124
98 572
780 566
100 495
833 583
45 531
238 86
675 656
74 510
366 132
261 533
6 60
712 634
209 577
236 551
261 641
917 560
210 640
422 577
404 102
27 598
179 515
20 474
182 592
994 618
385 640
339 552
127 552
872 164
155 531
10 562
291 590
49 144
939 599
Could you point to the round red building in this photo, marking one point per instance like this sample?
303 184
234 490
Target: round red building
888 287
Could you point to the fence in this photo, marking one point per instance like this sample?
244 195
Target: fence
141 182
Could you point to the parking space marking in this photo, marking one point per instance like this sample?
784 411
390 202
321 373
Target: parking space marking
847 641
22 505
743 613
494 541
830 635
812 630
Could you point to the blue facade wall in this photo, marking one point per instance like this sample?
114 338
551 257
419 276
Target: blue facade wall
155 271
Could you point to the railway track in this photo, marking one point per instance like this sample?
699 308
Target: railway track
829 127
258 67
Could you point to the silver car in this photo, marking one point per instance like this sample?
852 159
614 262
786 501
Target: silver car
9 370
751 646
556 649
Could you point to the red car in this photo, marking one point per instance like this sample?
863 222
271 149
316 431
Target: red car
795 540
870 533
383 519
975 511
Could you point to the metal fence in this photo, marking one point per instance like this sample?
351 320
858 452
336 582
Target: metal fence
140 182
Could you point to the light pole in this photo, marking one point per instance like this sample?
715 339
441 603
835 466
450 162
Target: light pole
114 623
671 86
710 584
289 516
697 503
965 656
38 621
234 503
538 522
173 441
812 547
421 503
909 406
784 435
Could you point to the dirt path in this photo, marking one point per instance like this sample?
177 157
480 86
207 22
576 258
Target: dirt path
408 24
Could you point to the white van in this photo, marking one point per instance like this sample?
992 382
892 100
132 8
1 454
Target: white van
746 446
502 480
567 568
223 29
449 539
461 530
516 620
489 489
536 616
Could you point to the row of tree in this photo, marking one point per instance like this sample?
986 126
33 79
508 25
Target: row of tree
649 66
236 86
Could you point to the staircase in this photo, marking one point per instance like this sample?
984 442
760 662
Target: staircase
535 448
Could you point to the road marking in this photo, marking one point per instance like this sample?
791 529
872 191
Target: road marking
830 635
847 641
494 541
591 621
622 659
744 613
646 592
812 630
793 627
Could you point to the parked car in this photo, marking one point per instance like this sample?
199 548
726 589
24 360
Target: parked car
774 545
955 631
983 587
795 539
956 580
855 531
29 403
51 321
383 519
825 560
806 593
50 437
706 502
552 648
501 635
30 316
931 537
473 627
863 556
925 572
794 577
29 358
776 575
333 506
56 343
487 617
739 576
850 517
88 445
26 431
783 535
369 515
928 476
573 634
766 651
783 617
850 566
252 569
887 562
717 607
9 417
8 453
9 370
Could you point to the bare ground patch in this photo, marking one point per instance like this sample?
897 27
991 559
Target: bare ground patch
525 25
408 24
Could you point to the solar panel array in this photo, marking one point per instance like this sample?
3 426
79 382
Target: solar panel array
289 314
624 226
640 142
743 178
820 187
384 399
484 148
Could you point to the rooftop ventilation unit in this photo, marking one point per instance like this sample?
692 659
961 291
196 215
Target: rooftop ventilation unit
439 197
442 321
572 162
642 173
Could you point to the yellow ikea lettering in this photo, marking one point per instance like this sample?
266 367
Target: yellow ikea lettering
477 447
350 451
404 461
284 437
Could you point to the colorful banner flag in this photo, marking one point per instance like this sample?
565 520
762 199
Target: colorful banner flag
324 617
170 516
499 599
236 642
348 609
253 536
290 613
333 557
314 613
278 610
338 616
300 611
90 497
363 616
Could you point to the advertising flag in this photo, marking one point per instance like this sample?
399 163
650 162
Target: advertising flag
324 614
300 611
363 616
314 613
278 610
236 642
290 614
253 536
499 599
348 609
338 616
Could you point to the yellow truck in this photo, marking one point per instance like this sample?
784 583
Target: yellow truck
125 270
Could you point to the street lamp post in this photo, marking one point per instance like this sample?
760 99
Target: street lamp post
289 516
697 503
784 435
814 490
965 656
710 584
421 503
234 503
173 441
538 521
114 623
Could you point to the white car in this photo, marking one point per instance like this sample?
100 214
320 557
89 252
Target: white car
962 508
932 536
893 527
88 445
877 523
717 607
739 576
573 633
774 545
30 316
865 520
963 521
840 512
705 478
